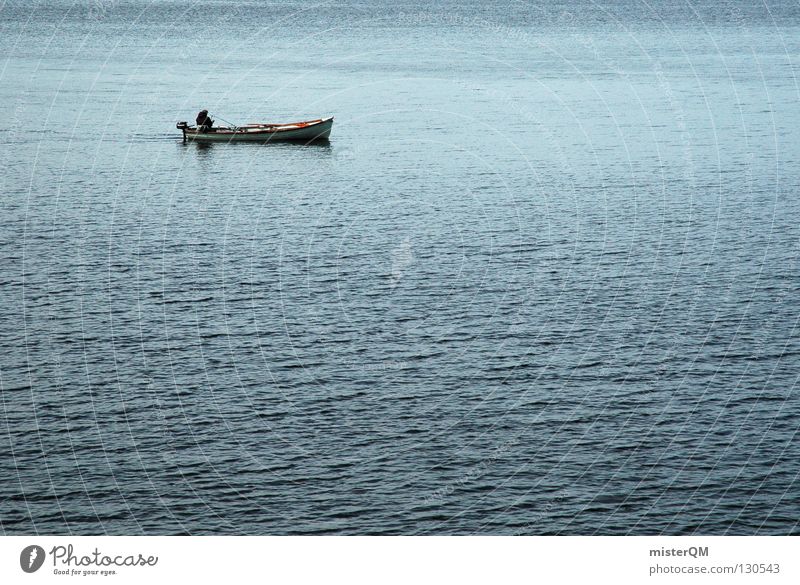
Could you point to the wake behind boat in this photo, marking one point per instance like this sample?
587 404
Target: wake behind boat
307 131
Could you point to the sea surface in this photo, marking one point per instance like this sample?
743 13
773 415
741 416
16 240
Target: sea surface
543 279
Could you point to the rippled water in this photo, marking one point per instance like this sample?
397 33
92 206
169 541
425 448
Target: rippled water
543 279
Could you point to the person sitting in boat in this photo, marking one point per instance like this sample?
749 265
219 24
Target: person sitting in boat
204 121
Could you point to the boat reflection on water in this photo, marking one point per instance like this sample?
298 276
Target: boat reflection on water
319 143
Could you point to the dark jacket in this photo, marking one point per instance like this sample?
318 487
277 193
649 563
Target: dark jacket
204 122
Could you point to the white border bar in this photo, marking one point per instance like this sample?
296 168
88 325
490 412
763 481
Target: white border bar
408 560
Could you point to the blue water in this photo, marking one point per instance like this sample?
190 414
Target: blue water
542 280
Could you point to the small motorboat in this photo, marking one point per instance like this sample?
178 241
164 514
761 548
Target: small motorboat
308 131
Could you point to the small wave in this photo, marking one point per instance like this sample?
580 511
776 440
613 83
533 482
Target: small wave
153 137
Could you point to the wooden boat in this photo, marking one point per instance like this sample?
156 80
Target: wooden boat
307 131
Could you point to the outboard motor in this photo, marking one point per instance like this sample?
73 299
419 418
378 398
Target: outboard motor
182 126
